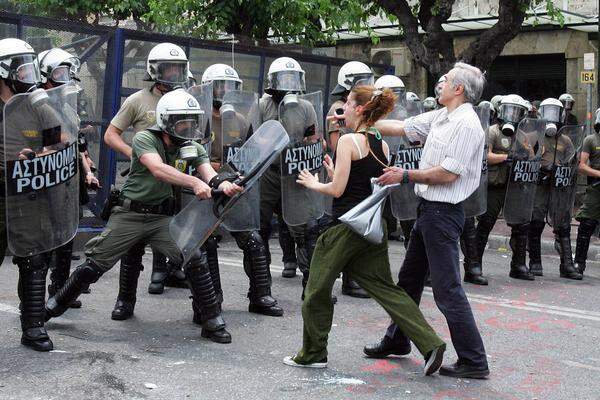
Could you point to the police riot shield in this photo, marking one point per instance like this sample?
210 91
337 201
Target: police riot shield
405 154
302 118
524 158
204 95
194 224
240 117
567 147
42 170
476 203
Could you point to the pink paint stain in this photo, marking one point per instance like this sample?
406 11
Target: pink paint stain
382 367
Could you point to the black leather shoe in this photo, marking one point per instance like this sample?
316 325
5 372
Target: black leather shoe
123 310
265 305
353 289
475 279
289 270
156 287
461 370
521 272
536 269
385 348
37 339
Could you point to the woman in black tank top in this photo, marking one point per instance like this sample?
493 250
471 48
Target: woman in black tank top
358 159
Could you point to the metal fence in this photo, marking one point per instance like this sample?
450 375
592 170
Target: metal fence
113 67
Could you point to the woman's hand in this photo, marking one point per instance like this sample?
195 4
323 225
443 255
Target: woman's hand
308 180
329 166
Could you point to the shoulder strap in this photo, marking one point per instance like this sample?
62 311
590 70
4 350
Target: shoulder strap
360 156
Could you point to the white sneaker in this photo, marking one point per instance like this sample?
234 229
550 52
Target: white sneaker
289 360
434 362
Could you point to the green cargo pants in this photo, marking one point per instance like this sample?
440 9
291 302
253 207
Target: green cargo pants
340 249
590 209
126 228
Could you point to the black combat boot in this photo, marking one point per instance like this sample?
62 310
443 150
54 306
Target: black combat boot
204 301
160 272
212 258
518 245
288 248
471 263
128 281
84 275
32 280
534 242
60 271
257 269
352 288
584 235
485 224
567 268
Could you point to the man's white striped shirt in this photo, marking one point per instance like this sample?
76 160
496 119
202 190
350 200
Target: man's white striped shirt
453 141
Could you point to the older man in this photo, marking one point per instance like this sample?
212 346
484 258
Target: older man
449 172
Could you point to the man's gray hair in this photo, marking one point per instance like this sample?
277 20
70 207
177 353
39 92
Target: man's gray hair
472 80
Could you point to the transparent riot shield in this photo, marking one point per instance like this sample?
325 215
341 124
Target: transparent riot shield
476 203
407 155
194 224
204 95
41 167
302 118
240 117
524 157
566 146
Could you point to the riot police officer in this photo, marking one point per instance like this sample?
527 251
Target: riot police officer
167 67
33 125
146 204
589 213
227 88
58 67
286 78
568 103
556 189
502 139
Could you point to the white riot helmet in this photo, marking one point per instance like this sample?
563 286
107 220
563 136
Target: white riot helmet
438 87
551 110
224 79
567 100
285 75
496 100
168 65
350 74
512 110
179 114
429 104
412 96
58 66
597 121
19 66
391 82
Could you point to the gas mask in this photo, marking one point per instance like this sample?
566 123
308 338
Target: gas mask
290 100
552 114
511 115
187 150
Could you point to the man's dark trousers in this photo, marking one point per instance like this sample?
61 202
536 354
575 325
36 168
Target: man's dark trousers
433 246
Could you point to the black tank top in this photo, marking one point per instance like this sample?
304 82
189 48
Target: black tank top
359 180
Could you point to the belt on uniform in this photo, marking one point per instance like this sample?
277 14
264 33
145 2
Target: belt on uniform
167 207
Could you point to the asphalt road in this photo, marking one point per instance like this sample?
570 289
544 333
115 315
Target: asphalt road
541 337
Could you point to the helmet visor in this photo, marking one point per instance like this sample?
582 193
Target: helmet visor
64 73
550 112
25 69
287 81
225 86
512 113
171 72
185 126
360 80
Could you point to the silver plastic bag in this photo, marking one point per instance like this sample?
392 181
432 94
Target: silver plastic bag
365 217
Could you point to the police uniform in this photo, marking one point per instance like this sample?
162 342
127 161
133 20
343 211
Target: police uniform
589 213
142 214
305 236
498 175
256 263
554 150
